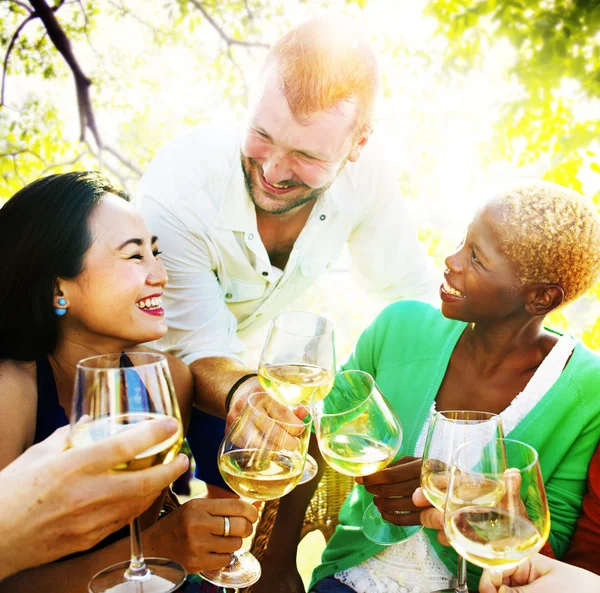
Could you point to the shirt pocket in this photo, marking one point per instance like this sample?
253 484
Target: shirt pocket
240 291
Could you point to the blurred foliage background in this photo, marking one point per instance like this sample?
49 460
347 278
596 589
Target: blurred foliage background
475 93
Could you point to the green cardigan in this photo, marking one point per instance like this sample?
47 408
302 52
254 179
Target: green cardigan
407 350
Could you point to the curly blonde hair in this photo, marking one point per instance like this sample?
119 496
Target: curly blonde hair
552 234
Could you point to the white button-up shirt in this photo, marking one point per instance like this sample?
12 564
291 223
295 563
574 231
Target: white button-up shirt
221 283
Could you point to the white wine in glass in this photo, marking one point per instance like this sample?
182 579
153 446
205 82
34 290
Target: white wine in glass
297 364
293 384
93 431
261 458
359 434
497 534
113 393
447 431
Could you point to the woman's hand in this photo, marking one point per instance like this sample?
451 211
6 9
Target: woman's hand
193 535
540 574
430 517
393 488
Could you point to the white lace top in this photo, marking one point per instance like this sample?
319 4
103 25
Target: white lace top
413 566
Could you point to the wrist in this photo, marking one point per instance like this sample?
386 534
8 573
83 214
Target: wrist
235 388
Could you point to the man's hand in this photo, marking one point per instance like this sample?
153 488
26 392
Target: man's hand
56 502
393 488
540 574
194 533
270 407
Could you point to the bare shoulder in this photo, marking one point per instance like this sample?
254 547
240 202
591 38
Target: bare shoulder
18 408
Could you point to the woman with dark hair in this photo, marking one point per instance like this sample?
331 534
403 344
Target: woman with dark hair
81 276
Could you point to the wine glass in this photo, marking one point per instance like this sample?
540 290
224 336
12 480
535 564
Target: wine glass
297 363
447 431
359 434
114 392
261 458
496 511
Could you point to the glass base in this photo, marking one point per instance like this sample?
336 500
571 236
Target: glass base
242 571
379 531
454 590
164 576
310 470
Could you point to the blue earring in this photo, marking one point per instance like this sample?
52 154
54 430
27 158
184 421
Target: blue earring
60 312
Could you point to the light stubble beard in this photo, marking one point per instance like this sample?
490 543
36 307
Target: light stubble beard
249 165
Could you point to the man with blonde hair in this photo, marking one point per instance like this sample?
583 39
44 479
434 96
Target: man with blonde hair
250 216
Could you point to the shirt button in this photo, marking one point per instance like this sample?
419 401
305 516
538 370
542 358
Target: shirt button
265 273
322 217
228 295
250 237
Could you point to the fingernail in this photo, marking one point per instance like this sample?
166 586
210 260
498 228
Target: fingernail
181 457
172 424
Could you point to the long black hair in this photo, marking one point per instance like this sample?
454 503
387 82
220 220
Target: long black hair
44 234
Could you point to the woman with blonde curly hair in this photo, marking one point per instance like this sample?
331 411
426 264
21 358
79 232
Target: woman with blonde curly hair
526 253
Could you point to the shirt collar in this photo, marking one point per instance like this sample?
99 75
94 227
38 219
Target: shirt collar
236 214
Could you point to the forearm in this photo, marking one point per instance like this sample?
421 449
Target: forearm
67 576
213 378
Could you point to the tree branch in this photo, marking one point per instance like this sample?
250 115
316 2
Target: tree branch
242 75
123 160
228 40
126 12
102 164
82 82
11 44
21 4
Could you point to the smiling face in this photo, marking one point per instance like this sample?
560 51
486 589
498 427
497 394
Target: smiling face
480 283
117 296
288 163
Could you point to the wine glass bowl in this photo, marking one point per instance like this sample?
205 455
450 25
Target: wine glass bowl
359 434
297 363
448 430
261 458
497 514
113 393
357 431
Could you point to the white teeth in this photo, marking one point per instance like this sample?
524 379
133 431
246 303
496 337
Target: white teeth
451 290
149 303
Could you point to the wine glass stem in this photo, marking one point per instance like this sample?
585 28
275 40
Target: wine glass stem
462 576
137 566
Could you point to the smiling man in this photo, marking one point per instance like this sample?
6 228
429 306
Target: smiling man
249 216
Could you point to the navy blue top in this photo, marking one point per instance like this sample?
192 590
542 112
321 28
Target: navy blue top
51 416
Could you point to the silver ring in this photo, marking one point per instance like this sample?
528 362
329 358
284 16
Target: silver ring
226 527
